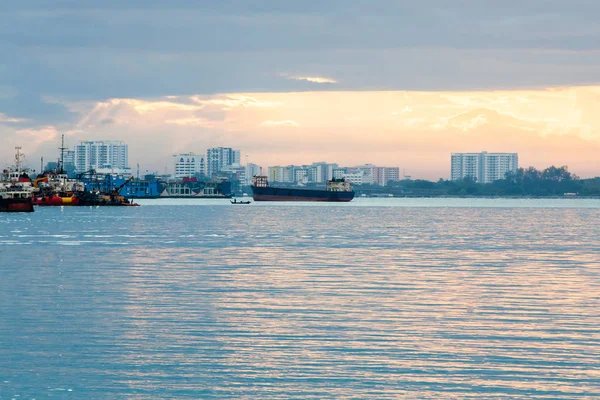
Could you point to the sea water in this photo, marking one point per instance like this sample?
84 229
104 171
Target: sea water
382 298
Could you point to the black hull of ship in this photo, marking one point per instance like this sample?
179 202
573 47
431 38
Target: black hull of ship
16 205
294 194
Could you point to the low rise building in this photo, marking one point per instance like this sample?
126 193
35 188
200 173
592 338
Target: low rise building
188 164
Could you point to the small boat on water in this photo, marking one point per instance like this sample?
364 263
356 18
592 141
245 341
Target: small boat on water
14 199
235 201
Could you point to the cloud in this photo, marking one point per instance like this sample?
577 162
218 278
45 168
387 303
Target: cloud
107 121
84 51
313 79
6 119
554 126
405 110
287 122
467 121
37 136
194 121
232 101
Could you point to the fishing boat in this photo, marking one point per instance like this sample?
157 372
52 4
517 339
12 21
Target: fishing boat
235 201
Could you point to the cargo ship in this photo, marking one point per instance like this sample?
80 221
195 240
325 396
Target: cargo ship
336 190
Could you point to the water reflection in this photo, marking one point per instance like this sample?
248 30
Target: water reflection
303 302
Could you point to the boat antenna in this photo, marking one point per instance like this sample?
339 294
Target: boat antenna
18 159
62 155
42 165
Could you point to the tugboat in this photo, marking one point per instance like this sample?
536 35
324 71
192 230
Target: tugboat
15 199
81 197
336 190
15 188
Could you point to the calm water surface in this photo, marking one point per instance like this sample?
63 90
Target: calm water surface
389 298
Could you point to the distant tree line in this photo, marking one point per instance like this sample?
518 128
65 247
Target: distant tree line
552 181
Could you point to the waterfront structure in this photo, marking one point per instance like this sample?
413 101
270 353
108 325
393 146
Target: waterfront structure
217 158
188 164
484 167
149 187
105 154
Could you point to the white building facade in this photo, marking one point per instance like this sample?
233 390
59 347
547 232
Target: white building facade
104 154
188 164
484 167
355 178
218 158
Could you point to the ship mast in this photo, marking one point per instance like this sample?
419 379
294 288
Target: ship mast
18 159
62 149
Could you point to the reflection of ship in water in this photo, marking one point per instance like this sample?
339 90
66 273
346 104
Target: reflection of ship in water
336 190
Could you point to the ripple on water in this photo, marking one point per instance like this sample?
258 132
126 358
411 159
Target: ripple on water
363 301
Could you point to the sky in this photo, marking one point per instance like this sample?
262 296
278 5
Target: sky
394 83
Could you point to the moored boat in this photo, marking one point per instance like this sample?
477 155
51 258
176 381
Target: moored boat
15 200
56 199
15 187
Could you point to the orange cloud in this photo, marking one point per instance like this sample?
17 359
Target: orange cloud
414 130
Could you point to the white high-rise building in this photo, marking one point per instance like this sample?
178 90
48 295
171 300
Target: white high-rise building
484 167
103 154
218 158
188 164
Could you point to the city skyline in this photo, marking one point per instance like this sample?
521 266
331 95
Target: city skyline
302 81
417 138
